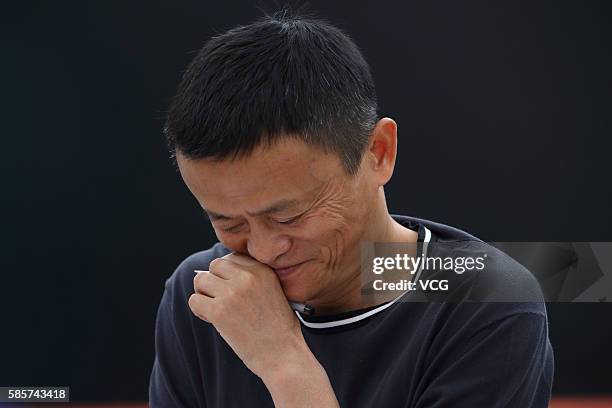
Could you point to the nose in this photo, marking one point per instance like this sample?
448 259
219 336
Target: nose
267 246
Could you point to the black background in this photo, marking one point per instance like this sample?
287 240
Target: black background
504 118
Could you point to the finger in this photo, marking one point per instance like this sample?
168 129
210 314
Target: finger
200 306
224 268
206 283
242 259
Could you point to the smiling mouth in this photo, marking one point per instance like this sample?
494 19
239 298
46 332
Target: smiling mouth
288 270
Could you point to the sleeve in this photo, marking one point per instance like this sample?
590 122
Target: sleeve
506 363
173 381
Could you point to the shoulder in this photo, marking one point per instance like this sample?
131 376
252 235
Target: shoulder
479 271
502 297
501 279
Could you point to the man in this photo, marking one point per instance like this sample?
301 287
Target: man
275 131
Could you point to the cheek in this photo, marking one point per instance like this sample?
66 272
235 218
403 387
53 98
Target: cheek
330 237
320 228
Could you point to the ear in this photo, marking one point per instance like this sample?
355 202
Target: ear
382 150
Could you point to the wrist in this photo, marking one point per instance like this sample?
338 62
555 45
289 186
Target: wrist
292 368
301 382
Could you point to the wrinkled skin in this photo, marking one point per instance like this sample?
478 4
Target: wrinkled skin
242 295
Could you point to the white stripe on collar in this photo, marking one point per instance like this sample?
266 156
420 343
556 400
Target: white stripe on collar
365 315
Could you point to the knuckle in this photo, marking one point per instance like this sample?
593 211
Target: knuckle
248 279
192 302
195 307
199 282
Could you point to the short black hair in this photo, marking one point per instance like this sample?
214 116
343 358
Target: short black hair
283 75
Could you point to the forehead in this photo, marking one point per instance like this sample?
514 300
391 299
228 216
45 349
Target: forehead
289 169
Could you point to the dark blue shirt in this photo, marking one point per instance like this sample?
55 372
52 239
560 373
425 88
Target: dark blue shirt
449 353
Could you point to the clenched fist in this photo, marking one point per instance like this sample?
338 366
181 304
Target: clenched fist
243 299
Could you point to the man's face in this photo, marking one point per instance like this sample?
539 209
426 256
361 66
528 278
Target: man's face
287 205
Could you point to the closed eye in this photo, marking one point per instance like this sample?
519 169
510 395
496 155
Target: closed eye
289 221
232 229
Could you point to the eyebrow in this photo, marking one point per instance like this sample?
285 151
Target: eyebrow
276 207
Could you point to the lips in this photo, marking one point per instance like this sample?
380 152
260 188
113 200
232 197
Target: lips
282 272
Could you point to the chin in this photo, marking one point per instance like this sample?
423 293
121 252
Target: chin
296 292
